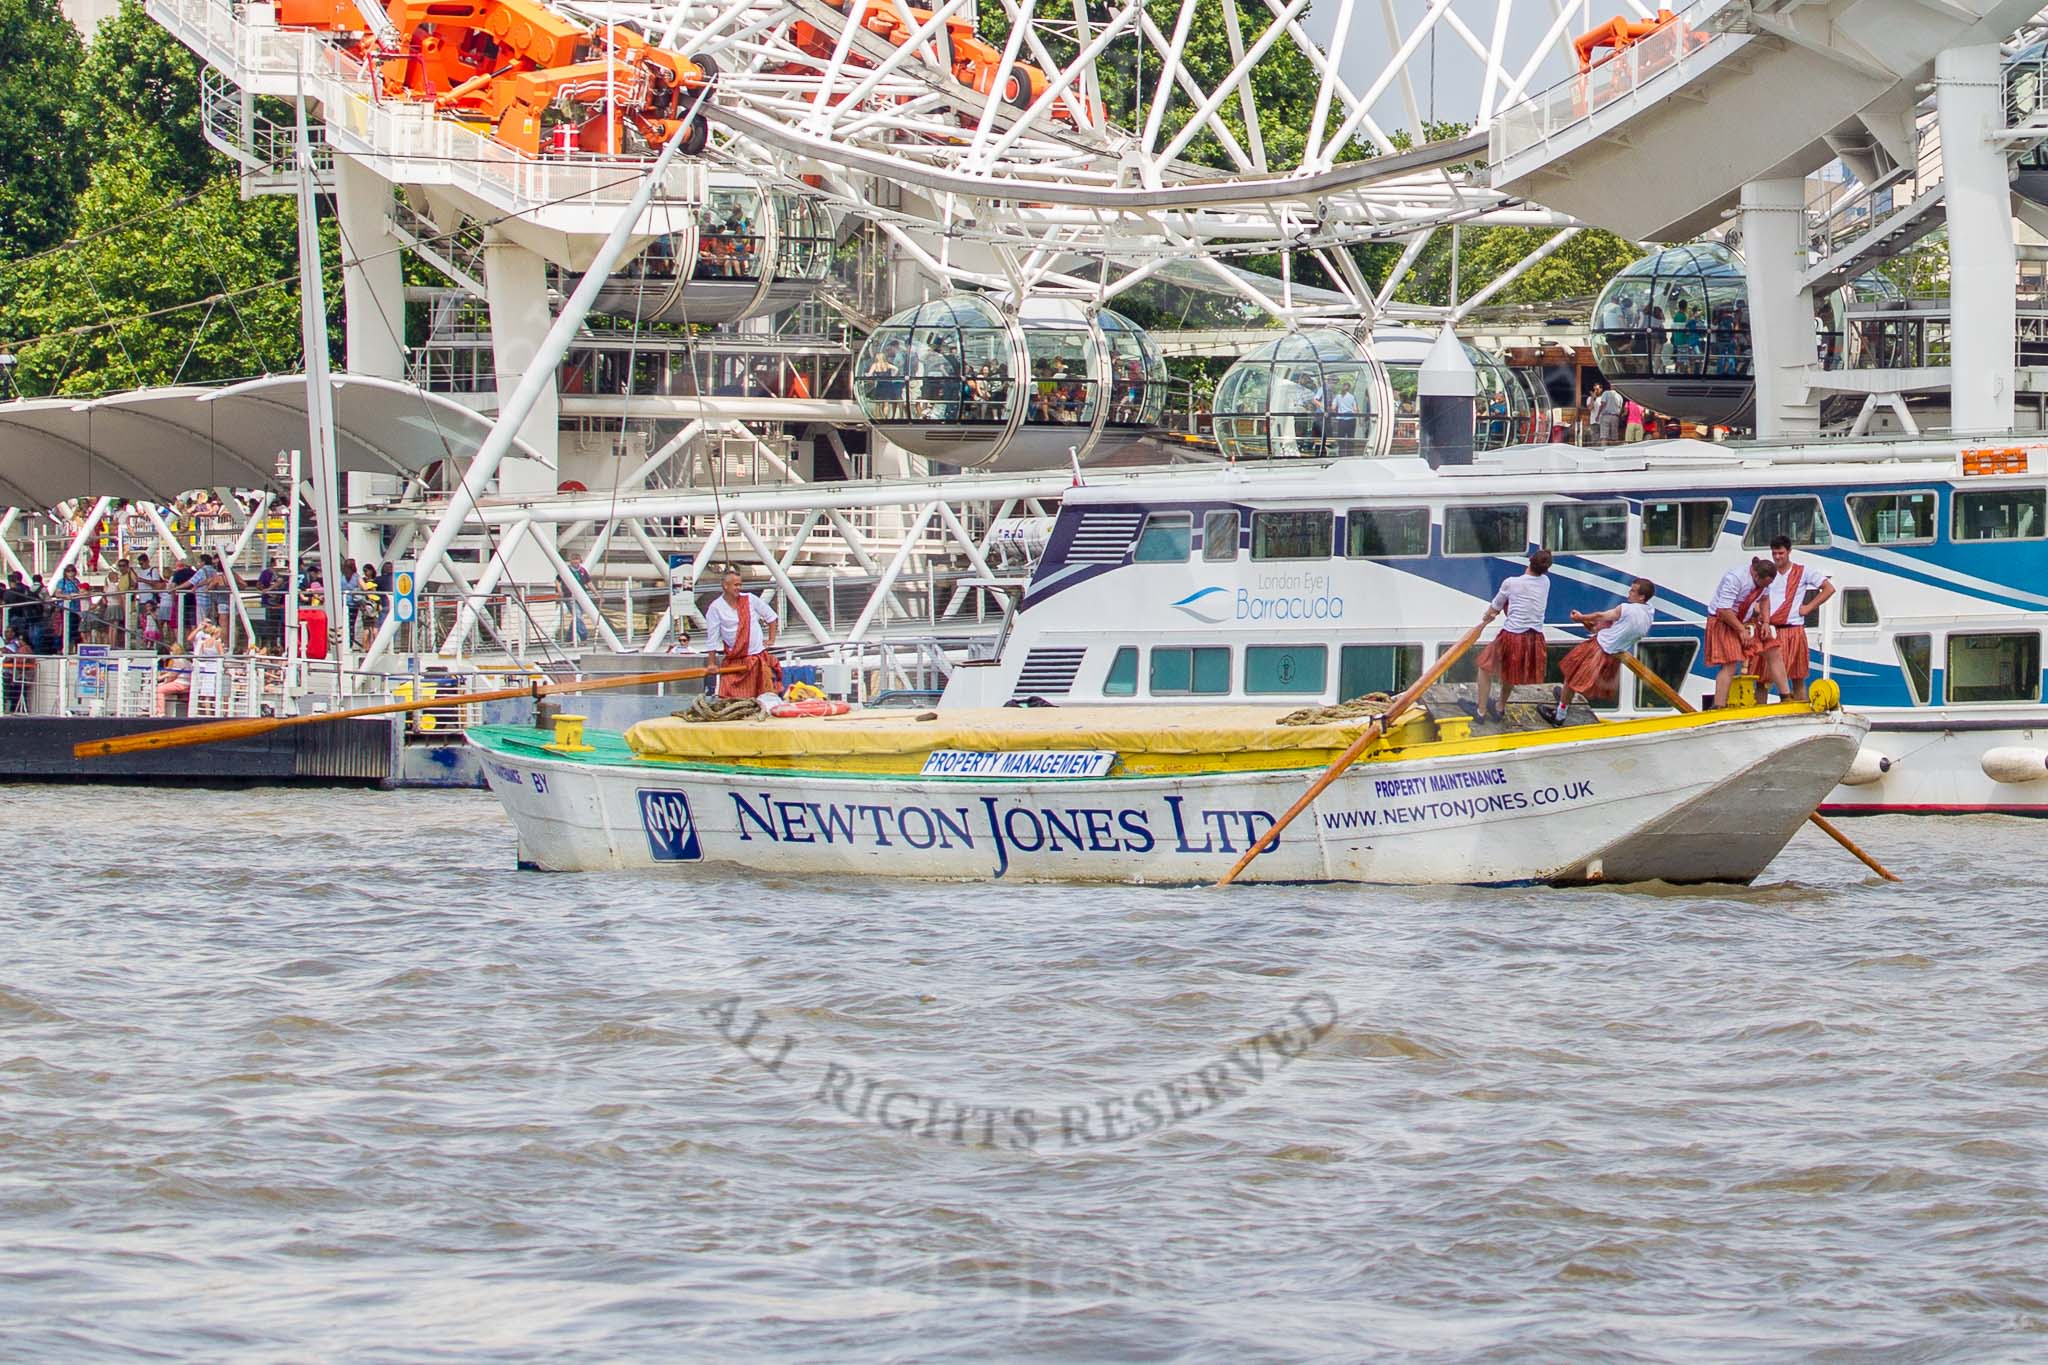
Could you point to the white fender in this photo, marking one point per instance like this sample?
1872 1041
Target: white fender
1868 767
2015 763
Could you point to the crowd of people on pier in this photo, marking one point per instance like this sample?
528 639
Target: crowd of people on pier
1612 419
186 614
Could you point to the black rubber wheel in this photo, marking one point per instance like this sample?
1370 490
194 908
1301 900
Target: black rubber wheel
1017 89
696 137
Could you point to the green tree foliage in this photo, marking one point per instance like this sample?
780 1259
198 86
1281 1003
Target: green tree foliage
140 95
109 312
1129 73
1923 271
170 275
42 164
1576 270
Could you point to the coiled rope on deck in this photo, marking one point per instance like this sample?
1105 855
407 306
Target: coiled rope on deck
707 709
1358 708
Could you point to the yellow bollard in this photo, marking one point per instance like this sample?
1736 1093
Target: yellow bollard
1743 690
568 736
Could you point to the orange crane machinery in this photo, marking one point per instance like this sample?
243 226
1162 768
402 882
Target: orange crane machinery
507 63
975 63
1618 34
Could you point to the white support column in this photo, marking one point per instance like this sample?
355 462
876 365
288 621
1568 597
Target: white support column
793 601
373 294
520 318
454 642
78 541
233 555
856 545
164 532
570 584
889 575
1970 99
7 520
1780 306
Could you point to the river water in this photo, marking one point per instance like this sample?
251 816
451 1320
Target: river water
319 1075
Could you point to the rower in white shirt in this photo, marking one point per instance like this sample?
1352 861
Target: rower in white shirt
739 629
1729 615
1783 656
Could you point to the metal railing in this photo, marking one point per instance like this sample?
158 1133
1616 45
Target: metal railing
1844 217
1579 97
266 150
408 142
104 682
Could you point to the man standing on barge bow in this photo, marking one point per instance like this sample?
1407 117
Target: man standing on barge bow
740 628
1729 611
1516 655
1781 653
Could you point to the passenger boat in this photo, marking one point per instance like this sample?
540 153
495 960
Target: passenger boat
1175 794
1297 582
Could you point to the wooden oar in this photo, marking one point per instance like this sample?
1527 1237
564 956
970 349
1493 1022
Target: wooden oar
1365 741
1821 822
220 731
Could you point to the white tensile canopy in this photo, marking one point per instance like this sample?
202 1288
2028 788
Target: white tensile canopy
151 445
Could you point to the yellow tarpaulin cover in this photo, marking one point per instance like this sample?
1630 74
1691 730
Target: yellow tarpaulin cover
1208 732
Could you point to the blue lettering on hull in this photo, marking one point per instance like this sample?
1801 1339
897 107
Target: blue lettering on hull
1003 829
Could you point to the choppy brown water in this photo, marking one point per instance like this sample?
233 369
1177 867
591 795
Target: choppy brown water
320 1076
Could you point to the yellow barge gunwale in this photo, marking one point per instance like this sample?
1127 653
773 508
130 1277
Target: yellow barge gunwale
1415 739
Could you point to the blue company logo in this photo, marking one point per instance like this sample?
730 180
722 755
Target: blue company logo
671 833
1186 606
1283 597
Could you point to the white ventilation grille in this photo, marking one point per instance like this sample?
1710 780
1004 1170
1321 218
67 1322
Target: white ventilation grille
1104 537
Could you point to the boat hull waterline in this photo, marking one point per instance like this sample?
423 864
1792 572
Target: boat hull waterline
1713 802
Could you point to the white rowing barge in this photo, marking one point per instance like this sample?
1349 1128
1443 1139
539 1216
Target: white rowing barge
1173 795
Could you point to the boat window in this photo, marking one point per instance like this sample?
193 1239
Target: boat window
1670 660
1916 660
2000 667
1502 530
2006 514
1293 535
1165 538
1859 608
1123 674
1585 527
1800 518
1386 532
1683 525
1219 535
1465 670
1202 670
1289 669
1893 518
1365 669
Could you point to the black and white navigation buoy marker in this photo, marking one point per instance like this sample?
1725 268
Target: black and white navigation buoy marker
1446 386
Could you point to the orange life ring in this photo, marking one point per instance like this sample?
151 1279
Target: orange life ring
790 710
